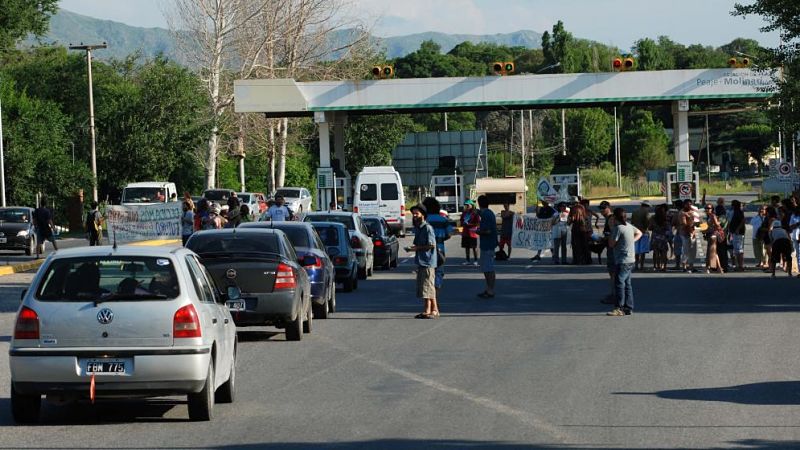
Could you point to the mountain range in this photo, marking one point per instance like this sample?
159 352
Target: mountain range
70 28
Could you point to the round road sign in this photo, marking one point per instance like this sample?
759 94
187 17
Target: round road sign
784 168
685 189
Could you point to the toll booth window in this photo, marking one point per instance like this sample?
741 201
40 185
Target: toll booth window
389 191
444 191
501 199
369 192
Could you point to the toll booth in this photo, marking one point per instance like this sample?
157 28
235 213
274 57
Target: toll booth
682 190
569 183
449 191
344 187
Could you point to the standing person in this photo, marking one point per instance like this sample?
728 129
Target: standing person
560 234
760 228
641 220
687 233
214 220
736 228
43 223
794 230
187 221
278 212
623 240
424 249
611 265
244 215
781 247
581 235
187 197
507 228
93 225
659 241
488 233
442 230
544 212
470 220
201 214
714 234
675 219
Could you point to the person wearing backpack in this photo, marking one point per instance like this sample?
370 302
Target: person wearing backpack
92 224
442 229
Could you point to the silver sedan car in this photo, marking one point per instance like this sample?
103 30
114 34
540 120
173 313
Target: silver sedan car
127 322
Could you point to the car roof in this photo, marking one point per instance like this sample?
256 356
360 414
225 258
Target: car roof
328 224
240 230
269 225
121 250
153 184
331 213
371 217
3 208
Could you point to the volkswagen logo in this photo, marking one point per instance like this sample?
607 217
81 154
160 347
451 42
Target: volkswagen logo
105 316
231 273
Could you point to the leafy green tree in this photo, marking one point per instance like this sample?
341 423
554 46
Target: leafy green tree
643 144
20 17
755 139
429 61
651 56
369 140
589 133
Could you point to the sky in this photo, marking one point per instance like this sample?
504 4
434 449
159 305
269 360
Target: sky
614 22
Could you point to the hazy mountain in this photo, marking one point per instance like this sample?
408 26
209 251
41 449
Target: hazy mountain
67 27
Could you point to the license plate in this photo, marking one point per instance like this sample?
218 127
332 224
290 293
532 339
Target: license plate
236 305
3 240
105 367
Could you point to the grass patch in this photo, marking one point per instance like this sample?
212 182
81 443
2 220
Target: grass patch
725 187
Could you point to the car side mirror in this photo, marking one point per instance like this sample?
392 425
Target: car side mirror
234 293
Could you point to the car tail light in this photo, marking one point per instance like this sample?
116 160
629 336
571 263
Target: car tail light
284 277
355 209
316 265
339 260
402 209
378 243
186 324
355 242
27 326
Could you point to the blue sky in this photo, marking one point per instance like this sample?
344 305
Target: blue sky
615 22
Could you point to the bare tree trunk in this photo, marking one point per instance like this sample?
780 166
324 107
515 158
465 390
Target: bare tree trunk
271 156
240 150
284 127
211 159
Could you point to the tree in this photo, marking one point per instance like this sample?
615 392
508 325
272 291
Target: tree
652 56
589 133
429 62
18 18
755 139
369 140
558 48
643 144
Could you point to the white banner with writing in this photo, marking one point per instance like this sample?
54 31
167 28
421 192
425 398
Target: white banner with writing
532 233
133 223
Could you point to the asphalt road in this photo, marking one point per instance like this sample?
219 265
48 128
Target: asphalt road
706 361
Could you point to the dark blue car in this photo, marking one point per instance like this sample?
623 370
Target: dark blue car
318 265
337 242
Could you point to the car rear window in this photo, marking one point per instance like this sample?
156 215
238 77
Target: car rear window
389 191
107 277
217 195
298 236
347 221
230 243
373 225
328 235
288 193
369 192
245 198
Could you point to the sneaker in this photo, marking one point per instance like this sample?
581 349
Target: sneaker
475 263
536 258
616 312
466 263
627 312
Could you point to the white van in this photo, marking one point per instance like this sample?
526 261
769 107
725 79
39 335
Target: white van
379 191
148 192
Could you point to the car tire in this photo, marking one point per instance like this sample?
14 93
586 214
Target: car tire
349 284
332 301
309 322
321 311
201 404
294 329
388 264
25 408
31 247
227 392
393 263
355 283
362 273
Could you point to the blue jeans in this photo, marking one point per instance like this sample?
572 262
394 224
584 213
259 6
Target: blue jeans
624 288
560 243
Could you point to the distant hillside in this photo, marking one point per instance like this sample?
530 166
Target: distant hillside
67 27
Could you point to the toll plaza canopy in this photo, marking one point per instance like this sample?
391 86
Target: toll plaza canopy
331 102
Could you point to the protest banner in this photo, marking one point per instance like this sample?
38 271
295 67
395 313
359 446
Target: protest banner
532 233
131 223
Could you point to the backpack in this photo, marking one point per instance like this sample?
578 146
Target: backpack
90 224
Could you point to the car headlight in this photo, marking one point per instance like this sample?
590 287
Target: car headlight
23 233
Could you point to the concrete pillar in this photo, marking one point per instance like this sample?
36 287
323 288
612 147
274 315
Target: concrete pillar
680 130
338 138
324 196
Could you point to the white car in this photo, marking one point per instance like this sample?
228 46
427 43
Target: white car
126 322
298 199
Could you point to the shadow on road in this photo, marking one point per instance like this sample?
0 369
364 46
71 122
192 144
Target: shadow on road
772 393
104 412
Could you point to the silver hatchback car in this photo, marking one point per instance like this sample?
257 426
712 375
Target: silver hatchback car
127 322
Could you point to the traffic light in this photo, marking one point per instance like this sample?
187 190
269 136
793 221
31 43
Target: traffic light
623 63
735 63
382 71
732 62
629 63
503 67
617 64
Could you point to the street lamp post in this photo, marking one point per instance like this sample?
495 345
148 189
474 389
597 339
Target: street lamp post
88 49
2 161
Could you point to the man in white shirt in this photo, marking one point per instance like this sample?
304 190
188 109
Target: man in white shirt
278 212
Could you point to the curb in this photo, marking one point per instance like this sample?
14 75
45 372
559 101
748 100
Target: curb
31 265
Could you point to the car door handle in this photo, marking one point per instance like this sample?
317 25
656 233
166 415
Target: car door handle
226 321
214 320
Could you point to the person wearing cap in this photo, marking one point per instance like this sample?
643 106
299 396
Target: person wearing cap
470 220
213 221
781 247
544 212
488 233
424 249
641 219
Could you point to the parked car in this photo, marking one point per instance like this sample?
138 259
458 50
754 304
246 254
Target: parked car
255 201
131 321
384 241
16 229
359 237
336 239
262 264
312 255
220 196
298 199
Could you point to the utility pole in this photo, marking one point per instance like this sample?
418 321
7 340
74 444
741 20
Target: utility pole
88 49
522 150
2 161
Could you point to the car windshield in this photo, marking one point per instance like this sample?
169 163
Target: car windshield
240 243
17 215
97 278
298 236
373 225
143 195
288 193
244 198
329 235
217 195
344 220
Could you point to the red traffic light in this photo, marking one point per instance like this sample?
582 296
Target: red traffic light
732 62
376 71
617 63
745 62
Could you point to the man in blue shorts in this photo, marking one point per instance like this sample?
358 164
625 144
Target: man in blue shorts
488 235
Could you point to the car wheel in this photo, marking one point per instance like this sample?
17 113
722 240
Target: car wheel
362 273
388 264
321 311
227 392
332 301
31 247
371 271
349 284
201 403
25 408
307 324
393 263
294 329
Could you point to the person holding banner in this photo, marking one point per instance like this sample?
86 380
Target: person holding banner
544 212
560 233
469 234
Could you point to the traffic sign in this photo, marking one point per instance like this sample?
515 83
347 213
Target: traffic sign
325 178
683 174
685 191
785 170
